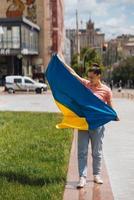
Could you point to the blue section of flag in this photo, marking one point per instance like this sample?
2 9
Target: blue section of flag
70 92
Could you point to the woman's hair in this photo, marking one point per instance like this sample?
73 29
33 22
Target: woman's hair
95 68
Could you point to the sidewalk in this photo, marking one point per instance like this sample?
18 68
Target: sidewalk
119 150
118 166
1 89
92 191
125 93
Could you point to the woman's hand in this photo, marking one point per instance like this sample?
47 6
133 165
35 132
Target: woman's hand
117 119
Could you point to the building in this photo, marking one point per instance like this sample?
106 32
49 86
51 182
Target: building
128 47
111 53
57 27
19 40
30 31
71 35
119 48
125 45
67 50
90 37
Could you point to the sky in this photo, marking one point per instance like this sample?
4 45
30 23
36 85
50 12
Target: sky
113 17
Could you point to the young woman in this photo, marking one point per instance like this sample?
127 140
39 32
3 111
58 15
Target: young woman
96 136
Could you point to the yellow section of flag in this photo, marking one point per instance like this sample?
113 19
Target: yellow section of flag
71 120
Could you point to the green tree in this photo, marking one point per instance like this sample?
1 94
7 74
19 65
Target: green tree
74 64
91 56
125 71
88 56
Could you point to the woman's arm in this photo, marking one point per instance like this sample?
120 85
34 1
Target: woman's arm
69 68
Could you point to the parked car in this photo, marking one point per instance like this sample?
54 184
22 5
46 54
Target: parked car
23 83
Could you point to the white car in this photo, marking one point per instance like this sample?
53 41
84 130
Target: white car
23 83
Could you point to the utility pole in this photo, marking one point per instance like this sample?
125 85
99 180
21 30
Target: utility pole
77 39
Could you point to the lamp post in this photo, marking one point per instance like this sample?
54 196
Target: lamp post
84 57
77 38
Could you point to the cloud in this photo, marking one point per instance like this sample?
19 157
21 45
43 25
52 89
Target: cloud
112 16
114 22
91 6
128 1
116 1
70 10
114 27
70 5
86 8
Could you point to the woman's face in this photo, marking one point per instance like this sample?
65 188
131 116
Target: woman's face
93 78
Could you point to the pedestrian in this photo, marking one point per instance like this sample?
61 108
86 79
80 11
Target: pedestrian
120 86
96 136
111 84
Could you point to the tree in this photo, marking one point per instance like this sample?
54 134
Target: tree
88 56
124 72
91 56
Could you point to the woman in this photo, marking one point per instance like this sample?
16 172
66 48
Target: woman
96 136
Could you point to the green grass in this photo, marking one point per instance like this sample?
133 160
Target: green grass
34 156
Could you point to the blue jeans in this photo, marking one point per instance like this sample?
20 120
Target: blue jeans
96 136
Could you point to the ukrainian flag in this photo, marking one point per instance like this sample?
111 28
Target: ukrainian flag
80 107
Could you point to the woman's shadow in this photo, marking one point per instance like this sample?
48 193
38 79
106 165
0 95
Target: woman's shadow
26 180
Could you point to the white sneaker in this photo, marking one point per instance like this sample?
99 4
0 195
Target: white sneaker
97 179
82 182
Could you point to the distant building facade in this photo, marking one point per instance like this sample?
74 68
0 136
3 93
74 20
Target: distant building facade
128 46
71 35
67 50
111 53
30 31
88 38
119 48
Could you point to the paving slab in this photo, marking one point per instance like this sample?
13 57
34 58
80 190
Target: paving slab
28 102
119 151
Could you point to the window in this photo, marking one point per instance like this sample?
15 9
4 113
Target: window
16 37
5 37
23 41
28 81
9 38
29 39
1 42
17 80
36 41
